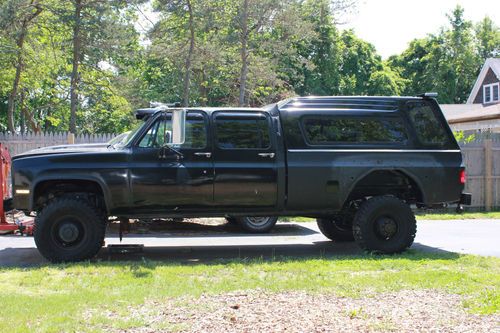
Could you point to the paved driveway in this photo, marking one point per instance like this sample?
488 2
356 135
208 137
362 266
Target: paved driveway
205 243
480 237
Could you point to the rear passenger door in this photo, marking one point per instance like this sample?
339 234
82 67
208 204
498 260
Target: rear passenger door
244 160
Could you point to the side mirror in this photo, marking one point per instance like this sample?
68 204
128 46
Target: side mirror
178 135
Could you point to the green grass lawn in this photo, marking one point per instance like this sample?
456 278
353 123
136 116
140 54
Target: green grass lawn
455 216
76 297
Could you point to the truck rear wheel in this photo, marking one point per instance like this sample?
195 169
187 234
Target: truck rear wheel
384 225
69 229
259 224
335 231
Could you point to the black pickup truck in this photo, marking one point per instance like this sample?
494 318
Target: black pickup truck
356 164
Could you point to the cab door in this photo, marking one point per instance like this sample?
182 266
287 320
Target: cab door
161 179
244 160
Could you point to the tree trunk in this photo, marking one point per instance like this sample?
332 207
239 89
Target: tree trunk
11 104
46 124
27 116
187 75
203 88
22 125
76 62
243 52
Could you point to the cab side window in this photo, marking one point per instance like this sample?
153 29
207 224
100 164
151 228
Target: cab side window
159 133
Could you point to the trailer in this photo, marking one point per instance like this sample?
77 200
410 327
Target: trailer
11 221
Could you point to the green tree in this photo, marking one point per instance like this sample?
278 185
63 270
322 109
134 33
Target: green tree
413 65
16 18
182 12
447 62
460 64
358 60
81 65
488 38
274 60
189 58
386 82
321 51
95 25
252 23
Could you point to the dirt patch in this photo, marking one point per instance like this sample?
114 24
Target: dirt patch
260 311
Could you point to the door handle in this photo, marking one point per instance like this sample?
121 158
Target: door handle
270 155
207 155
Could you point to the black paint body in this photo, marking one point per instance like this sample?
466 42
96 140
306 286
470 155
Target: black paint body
289 177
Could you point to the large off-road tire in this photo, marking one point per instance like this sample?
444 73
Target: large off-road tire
69 229
384 225
257 224
335 231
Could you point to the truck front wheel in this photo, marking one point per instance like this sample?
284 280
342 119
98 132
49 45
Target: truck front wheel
384 224
69 229
259 224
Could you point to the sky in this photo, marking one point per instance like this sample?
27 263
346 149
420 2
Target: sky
391 24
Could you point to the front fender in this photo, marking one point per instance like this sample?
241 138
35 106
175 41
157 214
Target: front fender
95 178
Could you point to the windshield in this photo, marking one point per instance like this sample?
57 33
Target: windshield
119 138
129 135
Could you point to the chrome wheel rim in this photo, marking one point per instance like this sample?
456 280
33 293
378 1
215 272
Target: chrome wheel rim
258 221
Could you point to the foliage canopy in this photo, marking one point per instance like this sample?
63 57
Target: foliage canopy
209 52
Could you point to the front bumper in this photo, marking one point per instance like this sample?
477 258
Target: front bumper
466 199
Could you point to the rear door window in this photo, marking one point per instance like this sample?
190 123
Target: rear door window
242 131
332 130
196 132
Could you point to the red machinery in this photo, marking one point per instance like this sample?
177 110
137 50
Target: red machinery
10 221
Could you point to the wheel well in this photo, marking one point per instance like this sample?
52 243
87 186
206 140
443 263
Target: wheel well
387 182
50 189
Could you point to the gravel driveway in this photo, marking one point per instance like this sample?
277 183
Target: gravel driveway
259 311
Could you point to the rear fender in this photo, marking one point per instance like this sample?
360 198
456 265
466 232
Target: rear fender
405 172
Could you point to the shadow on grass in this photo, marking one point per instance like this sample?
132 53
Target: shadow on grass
216 254
304 245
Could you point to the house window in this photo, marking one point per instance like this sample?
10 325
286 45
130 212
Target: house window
491 93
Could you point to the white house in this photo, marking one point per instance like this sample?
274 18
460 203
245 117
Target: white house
482 110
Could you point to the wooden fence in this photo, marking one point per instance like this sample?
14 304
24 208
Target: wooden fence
482 163
19 143
481 159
